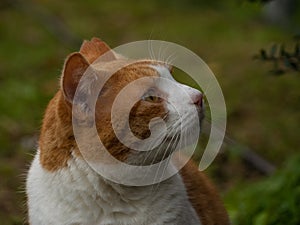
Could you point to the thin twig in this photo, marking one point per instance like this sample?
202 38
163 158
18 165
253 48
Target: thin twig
246 153
250 156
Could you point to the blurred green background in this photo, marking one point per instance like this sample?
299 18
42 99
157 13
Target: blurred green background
263 109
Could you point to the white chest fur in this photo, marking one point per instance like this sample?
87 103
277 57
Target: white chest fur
78 195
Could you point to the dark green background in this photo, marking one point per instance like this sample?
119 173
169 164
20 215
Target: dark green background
263 110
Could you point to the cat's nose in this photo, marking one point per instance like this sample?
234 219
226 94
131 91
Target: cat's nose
197 99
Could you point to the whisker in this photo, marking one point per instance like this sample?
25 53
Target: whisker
147 156
152 51
160 53
163 54
149 50
155 142
170 60
174 143
206 90
150 149
161 145
157 151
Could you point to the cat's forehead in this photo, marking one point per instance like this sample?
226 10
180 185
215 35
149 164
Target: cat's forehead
163 70
141 67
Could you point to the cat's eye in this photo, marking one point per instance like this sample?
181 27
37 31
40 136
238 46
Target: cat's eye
152 96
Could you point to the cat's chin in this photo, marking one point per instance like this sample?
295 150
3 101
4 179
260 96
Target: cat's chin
151 157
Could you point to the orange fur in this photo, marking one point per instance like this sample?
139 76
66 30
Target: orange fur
57 138
95 48
138 118
203 196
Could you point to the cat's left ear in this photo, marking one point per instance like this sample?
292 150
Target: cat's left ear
75 66
95 48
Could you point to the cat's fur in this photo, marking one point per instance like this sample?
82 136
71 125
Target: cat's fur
63 189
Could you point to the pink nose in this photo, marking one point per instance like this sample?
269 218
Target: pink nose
198 99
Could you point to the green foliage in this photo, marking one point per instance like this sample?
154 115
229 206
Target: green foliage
260 1
282 59
275 201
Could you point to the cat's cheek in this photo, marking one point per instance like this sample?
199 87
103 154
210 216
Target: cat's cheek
142 115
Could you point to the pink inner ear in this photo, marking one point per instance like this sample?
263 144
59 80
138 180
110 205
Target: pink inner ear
74 68
95 48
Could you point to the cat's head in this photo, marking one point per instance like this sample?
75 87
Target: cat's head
138 92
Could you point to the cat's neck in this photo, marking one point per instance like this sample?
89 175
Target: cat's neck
162 202
79 186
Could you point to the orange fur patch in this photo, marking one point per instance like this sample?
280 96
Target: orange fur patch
57 138
203 196
139 116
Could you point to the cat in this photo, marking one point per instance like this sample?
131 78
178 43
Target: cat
63 189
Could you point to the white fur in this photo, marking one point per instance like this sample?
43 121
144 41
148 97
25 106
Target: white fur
179 103
78 195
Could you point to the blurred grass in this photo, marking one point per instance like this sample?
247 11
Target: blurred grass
263 110
273 201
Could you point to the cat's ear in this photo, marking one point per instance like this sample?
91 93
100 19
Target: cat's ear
95 48
75 66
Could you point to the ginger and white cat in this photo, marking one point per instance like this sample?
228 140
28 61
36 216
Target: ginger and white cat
63 189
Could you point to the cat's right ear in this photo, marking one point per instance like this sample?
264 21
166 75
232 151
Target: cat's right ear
75 66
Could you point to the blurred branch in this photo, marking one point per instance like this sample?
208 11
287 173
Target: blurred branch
246 153
250 156
255 1
53 24
260 1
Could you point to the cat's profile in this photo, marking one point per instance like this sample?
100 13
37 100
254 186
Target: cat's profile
62 188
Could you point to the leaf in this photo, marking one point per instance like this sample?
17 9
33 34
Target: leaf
297 50
263 54
273 51
294 63
277 72
286 62
282 50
